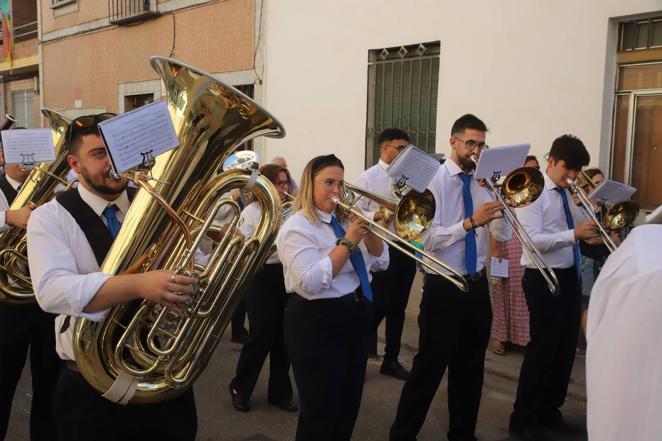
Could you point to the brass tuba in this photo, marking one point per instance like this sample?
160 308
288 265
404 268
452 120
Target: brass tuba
142 352
38 188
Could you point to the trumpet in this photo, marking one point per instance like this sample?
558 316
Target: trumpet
520 188
413 215
618 216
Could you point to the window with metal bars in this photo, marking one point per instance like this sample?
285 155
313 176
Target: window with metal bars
402 93
56 3
640 35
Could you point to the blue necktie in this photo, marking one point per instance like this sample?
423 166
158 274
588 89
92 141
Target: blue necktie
470 239
571 226
356 259
113 225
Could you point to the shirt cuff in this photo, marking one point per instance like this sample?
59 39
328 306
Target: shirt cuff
457 230
93 285
3 223
568 237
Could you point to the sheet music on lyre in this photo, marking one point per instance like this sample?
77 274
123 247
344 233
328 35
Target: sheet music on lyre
28 146
611 192
414 168
501 160
135 137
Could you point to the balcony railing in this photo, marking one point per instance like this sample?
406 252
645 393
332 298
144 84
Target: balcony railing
127 11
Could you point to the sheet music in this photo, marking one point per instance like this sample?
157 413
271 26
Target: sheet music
501 159
414 168
611 192
132 137
499 267
28 146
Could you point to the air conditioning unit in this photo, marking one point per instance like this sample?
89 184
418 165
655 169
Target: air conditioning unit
128 11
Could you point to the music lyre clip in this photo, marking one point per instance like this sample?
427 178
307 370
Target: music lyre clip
28 161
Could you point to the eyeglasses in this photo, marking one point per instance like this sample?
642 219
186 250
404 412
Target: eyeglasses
330 183
472 145
86 121
399 148
281 183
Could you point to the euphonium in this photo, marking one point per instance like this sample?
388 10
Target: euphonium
38 188
142 352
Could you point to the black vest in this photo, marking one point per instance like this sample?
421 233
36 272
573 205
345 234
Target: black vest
95 230
8 190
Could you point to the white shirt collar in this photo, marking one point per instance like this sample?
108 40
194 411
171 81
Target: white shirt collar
382 164
324 216
13 182
98 204
453 168
549 184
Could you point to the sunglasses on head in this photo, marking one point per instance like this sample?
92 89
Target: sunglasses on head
87 121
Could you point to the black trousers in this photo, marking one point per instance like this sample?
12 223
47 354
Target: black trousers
238 319
83 414
265 302
391 293
24 327
327 343
454 332
548 358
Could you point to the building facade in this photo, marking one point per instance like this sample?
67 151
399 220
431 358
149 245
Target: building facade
338 72
95 54
19 64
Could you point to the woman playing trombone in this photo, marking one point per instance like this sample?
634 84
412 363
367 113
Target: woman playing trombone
326 262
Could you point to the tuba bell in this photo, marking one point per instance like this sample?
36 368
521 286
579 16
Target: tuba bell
38 188
142 352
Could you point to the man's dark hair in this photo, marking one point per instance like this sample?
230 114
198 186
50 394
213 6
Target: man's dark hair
468 121
75 136
391 134
570 149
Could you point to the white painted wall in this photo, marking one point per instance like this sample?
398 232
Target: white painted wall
531 69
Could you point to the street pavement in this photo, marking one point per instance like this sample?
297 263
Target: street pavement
218 420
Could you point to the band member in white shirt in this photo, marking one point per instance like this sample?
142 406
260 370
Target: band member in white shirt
265 300
391 287
326 262
454 325
68 239
554 224
624 357
23 327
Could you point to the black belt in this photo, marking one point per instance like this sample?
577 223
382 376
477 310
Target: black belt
475 278
71 365
358 294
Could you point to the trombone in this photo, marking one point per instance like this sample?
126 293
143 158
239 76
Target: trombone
618 216
520 188
413 214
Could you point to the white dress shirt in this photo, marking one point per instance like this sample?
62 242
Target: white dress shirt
250 217
544 221
445 237
624 355
4 203
64 271
377 181
304 247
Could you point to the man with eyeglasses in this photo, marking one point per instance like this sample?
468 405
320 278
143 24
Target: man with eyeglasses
68 239
454 325
391 287
23 327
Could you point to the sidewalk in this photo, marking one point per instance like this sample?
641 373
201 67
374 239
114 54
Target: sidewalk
504 366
